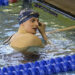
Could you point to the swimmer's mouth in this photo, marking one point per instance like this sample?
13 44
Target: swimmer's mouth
34 29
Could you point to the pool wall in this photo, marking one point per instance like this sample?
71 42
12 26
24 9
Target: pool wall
53 10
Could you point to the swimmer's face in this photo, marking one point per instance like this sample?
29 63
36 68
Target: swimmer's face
31 25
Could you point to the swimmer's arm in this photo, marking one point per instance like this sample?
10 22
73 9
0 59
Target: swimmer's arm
34 41
41 29
37 42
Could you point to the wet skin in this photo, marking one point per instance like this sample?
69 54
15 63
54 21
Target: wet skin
25 37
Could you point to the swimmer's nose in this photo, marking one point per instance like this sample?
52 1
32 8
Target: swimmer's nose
36 23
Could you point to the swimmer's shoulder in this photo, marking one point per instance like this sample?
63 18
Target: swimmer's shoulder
25 40
34 40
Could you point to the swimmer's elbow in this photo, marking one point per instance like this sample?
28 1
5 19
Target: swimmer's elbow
42 45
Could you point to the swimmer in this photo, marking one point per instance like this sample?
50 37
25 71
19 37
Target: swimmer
25 37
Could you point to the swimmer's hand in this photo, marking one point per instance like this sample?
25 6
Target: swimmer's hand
41 28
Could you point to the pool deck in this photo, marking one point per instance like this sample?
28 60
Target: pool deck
66 5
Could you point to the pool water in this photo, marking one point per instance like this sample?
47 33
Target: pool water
63 43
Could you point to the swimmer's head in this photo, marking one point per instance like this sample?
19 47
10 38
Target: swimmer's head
29 20
26 15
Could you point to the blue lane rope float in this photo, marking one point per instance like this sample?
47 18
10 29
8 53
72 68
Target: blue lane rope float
43 67
4 2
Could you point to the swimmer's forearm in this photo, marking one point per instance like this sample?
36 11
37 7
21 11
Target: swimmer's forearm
44 37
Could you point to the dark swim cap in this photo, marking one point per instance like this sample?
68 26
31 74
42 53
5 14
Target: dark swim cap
26 15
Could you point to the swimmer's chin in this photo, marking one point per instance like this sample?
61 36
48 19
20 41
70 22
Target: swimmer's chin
34 32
